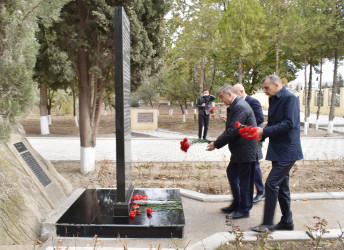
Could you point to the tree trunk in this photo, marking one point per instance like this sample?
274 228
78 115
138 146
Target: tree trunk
305 125
334 92
240 70
309 94
182 108
201 85
74 108
277 61
50 104
44 123
212 75
186 106
87 153
320 96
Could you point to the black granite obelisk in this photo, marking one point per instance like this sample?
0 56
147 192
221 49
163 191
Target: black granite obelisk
122 99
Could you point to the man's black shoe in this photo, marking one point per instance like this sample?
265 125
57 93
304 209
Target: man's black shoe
281 226
261 228
229 209
258 198
237 215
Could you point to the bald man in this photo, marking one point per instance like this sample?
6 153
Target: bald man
258 113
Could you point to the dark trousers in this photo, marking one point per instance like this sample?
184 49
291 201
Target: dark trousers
241 180
277 187
258 179
203 121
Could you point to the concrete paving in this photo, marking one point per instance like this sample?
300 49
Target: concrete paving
205 224
163 146
168 150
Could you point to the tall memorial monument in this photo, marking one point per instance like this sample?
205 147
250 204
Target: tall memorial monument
122 98
105 212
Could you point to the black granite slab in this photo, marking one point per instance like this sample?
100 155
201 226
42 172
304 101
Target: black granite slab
93 213
122 99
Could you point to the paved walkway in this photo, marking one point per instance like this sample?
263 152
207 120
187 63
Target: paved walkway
168 150
163 146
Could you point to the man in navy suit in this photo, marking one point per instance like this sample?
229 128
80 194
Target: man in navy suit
258 113
283 130
240 171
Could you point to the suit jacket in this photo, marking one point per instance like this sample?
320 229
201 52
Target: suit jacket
257 109
207 100
242 150
283 127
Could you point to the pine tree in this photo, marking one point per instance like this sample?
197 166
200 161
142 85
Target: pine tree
18 49
86 34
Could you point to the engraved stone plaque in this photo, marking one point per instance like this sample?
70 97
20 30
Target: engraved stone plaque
146 117
32 163
122 98
36 168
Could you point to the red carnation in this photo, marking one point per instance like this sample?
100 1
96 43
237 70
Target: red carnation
132 214
149 211
184 145
247 132
212 110
237 124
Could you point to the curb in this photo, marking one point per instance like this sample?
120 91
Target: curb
216 240
221 197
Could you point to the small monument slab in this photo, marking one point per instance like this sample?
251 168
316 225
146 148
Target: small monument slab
93 213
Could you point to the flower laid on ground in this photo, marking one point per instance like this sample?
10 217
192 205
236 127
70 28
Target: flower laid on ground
136 204
149 211
247 132
185 145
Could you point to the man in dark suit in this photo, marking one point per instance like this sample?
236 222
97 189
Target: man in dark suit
258 113
204 106
240 171
283 130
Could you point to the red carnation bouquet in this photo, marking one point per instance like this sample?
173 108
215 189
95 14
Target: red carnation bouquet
136 202
185 145
213 112
247 132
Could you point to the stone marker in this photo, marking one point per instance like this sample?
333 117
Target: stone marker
122 99
105 212
30 187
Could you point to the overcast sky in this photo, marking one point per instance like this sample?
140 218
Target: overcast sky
327 73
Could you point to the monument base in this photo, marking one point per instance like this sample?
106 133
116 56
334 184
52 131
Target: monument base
93 213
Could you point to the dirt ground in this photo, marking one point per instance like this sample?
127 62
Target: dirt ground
205 177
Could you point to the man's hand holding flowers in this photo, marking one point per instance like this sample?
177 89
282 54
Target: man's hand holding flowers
260 134
248 132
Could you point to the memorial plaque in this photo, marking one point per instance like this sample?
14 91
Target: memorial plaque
20 147
122 98
146 117
36 168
